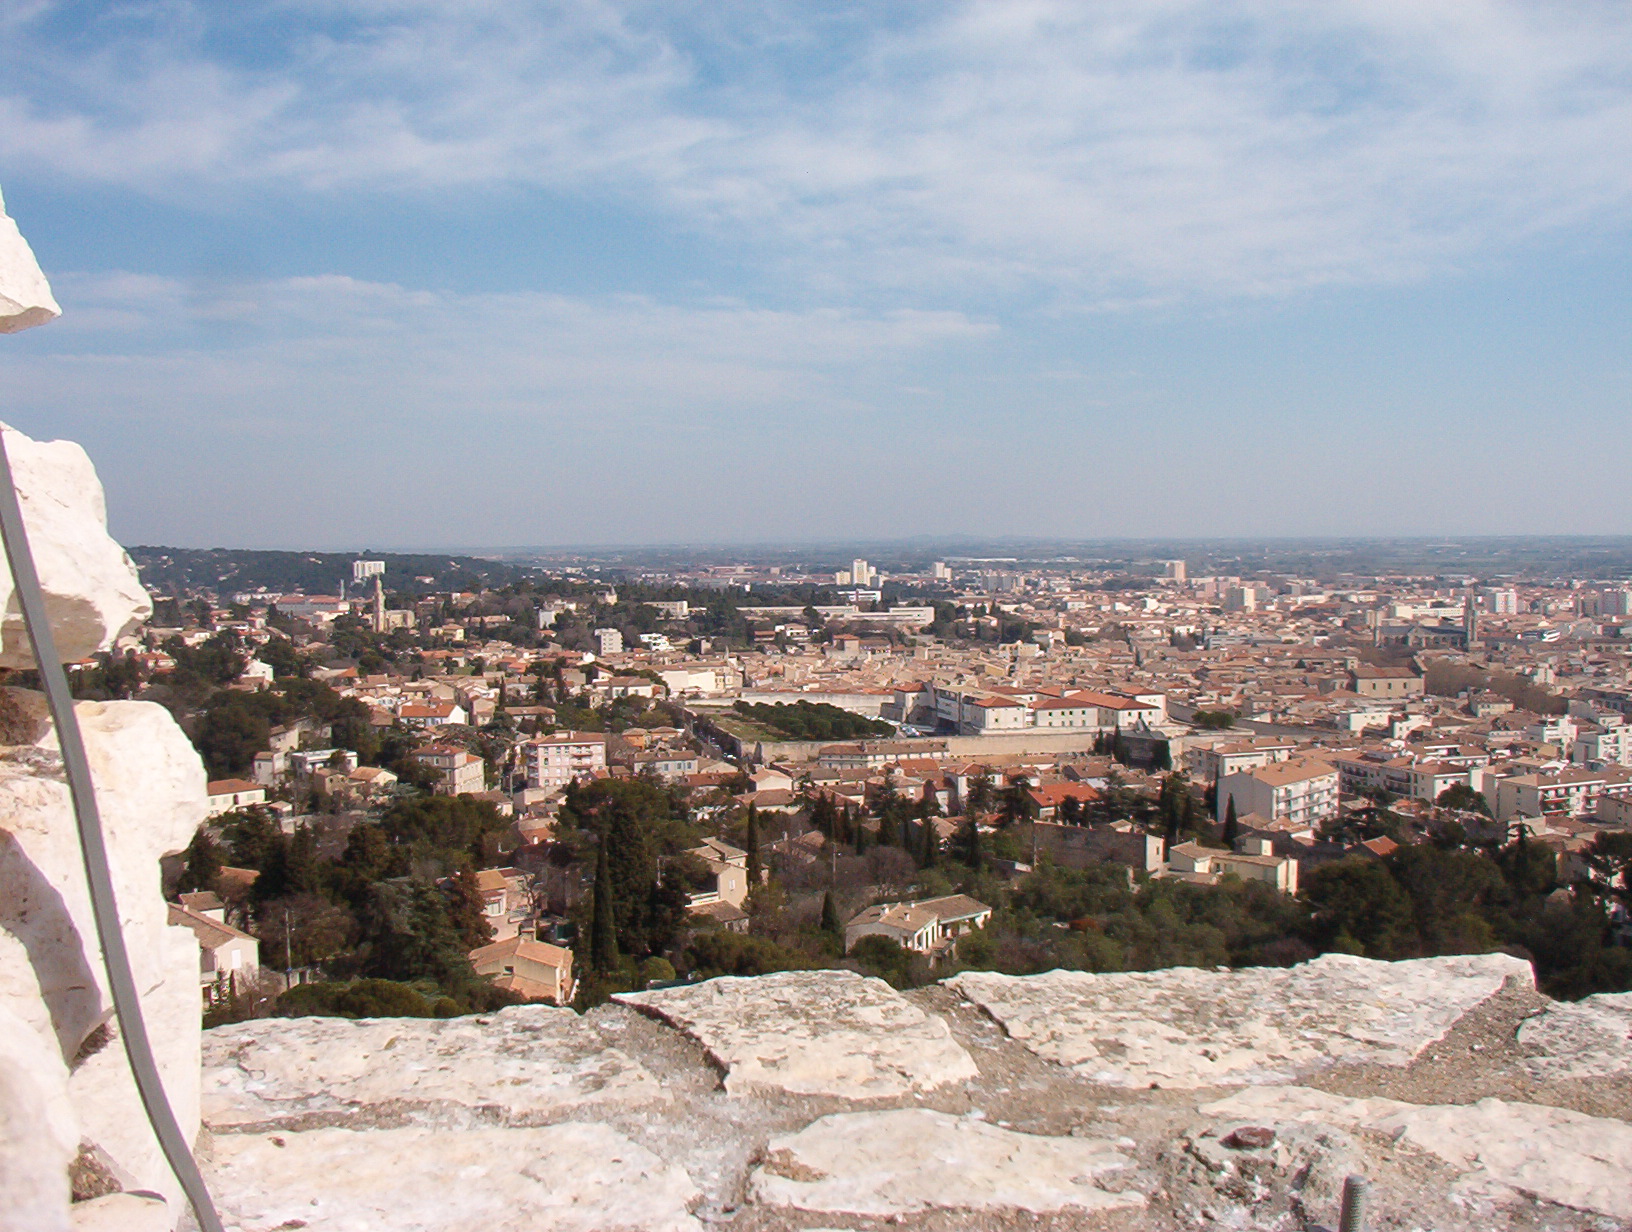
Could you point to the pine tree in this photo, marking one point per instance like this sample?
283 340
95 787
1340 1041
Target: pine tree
603 926
1232 827
465 910
204 864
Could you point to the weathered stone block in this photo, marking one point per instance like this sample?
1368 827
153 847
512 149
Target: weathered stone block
92 593
525 1064
151 792
1187 1027
813 1033
564 1178
1591 1038
913 1159
25 297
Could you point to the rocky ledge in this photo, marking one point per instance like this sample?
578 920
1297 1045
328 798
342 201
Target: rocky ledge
1162 1100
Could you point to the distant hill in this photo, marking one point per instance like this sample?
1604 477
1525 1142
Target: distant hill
227 570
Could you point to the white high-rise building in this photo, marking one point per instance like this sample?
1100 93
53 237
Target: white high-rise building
362 570
861 573
608 641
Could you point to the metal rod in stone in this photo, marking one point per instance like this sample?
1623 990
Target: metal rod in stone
1356 1190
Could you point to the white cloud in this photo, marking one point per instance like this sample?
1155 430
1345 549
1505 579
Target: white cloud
1125 148
279 411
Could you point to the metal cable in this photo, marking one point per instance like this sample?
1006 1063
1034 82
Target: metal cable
121 983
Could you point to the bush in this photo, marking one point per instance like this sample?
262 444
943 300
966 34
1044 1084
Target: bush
363 999
885 958
722 953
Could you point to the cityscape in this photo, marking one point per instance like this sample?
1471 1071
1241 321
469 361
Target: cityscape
826 757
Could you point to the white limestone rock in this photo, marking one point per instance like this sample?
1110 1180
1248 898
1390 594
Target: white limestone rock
564 1178
122 1212
1590 1038
39 1134
1187 1027
25 296
525 1063
92 593
830 1033
882 1164
151 792
1505 1150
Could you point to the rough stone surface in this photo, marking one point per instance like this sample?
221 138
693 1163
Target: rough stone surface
91 590
1554 1154
151 793
122 1212
25 297
1591 1038
1186 1027
563 1178
525 1065
985 1152
813 1033
39 1134
914 1159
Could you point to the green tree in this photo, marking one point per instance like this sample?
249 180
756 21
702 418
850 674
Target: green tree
968 845
1017 804
1462 797
1357 907
203 865
603 927
466 911
884 957
751 842
1232 826
830 916
981 793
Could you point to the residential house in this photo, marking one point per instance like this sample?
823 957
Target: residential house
432 714
930 927
228 958
507 900
555 761
1300 789
462 772
1193 862
535 969
229 794
728 866
1568 793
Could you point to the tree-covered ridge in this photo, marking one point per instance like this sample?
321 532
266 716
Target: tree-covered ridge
233 569
812 720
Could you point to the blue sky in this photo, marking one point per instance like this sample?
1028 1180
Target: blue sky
404 273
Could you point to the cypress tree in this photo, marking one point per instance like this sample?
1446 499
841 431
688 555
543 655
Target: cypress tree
969 843
1232 827
752 841
931 846
830 916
